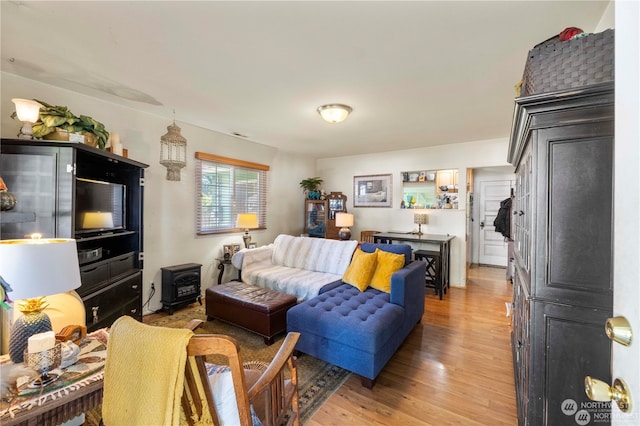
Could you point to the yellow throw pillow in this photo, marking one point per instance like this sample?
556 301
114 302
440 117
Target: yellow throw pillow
387 264
360 270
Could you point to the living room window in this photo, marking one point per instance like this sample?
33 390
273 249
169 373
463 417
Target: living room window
225 188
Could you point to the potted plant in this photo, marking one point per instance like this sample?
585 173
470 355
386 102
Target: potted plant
311 187
56 119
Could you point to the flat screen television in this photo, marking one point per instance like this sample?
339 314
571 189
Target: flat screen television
100 207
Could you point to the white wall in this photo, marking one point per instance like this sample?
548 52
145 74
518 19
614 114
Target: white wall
338 175
169 207
608 18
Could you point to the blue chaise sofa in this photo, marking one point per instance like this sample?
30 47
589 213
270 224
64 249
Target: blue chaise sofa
361 330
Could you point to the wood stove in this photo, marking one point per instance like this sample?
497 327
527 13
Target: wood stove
180 285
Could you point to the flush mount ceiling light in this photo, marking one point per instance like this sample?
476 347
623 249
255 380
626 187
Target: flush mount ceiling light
334 113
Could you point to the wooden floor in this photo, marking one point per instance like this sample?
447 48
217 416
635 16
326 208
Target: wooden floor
455 368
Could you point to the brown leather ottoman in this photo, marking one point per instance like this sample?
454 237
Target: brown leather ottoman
256 309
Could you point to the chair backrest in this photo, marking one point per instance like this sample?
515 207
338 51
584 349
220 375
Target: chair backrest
273 395
367 236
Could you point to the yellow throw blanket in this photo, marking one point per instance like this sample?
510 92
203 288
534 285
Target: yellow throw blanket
144 374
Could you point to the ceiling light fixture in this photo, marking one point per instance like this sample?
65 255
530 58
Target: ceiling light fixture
334 113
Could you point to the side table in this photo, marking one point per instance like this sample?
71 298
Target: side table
78 389
222 264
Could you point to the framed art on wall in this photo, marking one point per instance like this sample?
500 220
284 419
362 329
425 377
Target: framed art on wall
372 191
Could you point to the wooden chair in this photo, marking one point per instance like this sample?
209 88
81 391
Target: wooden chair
274 395
269 390
367 236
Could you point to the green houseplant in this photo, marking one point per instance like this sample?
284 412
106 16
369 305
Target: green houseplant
311 187
59 118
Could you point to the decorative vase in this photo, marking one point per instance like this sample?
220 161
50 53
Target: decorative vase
7 199
313 195
90 139
57 135
23 328
33 321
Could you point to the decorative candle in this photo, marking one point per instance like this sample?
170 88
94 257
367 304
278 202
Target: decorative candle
116 146
41 342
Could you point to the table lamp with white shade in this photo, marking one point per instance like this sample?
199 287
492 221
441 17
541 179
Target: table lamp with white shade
344 221
247 221
35 268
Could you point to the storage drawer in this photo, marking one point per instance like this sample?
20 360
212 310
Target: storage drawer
93 277
108 304
121 265
100 274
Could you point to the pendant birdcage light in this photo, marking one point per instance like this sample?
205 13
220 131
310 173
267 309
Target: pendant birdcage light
173 151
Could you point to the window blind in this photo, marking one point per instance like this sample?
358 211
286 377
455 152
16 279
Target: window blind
225 188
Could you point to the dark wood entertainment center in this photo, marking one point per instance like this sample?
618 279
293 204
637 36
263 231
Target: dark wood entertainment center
42 175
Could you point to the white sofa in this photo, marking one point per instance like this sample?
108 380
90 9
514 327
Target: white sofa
299 266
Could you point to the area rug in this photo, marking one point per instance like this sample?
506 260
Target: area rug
317 380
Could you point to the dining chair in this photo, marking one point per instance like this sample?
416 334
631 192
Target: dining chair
367 236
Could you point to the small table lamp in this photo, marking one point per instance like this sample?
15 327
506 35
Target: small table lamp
28 112
247 221
35 268
344 221
420 219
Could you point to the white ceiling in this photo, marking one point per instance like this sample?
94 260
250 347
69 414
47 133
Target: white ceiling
417 73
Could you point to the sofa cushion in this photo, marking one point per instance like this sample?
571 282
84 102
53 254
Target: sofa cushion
387 263
362 320
361 269
391 248
313 254
300 283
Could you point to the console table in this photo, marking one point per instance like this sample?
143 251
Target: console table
443 241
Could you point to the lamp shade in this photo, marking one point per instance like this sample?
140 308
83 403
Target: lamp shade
334 113
39 267
420 218
247 220
344 220
27 110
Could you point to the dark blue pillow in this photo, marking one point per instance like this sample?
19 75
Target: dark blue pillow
391 248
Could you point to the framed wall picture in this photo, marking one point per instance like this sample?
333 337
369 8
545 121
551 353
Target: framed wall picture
372 191
227 251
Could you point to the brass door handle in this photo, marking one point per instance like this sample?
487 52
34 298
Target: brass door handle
618 329
597 390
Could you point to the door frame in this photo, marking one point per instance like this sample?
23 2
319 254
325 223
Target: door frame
483 174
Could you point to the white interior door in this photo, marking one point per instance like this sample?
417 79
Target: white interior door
626 263
492 244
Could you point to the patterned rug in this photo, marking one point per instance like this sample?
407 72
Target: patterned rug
317 380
